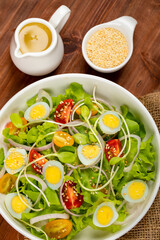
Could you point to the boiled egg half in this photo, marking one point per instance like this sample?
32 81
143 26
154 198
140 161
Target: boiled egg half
53 173
110 122
89 153
15 205
37 111
135 191
105 214
16 159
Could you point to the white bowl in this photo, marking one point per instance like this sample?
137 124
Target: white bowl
126 25
117 96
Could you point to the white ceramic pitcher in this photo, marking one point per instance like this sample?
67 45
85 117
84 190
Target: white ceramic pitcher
41 63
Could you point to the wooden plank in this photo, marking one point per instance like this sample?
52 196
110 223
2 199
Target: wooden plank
140 76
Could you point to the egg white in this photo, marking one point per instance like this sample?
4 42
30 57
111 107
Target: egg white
8 199
106 129
23 152
126 196
83 159
60 166
114 218
28 111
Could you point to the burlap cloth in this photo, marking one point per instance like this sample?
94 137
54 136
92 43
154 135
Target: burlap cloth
149 227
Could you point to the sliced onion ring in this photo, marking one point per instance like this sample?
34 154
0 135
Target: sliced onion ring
4 146
44 94
38 179
2 171
48 216
53 147
39 149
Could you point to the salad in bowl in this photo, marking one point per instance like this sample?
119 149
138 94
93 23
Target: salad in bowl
74 160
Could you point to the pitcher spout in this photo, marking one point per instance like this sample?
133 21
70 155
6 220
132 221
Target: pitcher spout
18 53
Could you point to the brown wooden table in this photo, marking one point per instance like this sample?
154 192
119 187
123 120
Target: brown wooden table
140 76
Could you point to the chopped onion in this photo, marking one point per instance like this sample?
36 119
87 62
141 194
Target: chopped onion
41 223
48 216
44 94
4 146
38 179
70 130
127 169
14 144
53 147
2 171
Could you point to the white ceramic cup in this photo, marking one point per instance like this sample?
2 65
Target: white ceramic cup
126 25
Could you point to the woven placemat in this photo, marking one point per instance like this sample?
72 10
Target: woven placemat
149 227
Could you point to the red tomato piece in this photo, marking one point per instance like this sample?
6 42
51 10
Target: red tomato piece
37 166
113 148
71 197
63 111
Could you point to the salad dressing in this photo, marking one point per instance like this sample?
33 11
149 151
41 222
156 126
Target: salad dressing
34 37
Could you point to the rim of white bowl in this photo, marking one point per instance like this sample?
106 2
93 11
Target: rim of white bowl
79 76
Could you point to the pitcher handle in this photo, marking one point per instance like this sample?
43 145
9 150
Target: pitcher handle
60 17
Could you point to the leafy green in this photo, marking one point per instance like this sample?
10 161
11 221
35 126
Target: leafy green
76 92
85 112
88 102
52 196
67 149
32 135
32 101
92 138
16 120
66 157
134 124
115 160
80 138
2 157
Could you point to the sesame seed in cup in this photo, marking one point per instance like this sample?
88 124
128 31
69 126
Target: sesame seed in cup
107 48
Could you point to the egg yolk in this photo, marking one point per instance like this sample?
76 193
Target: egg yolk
17 205
110 121
104 215
136 190
15 160
37 112
90 151
53 174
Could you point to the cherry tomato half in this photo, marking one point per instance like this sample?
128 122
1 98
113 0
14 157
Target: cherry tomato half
63 111
112 148
58 228
7 182
93 111
71 197
13 130
37 166
62 139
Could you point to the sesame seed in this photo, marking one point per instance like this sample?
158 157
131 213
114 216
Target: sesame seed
107 48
